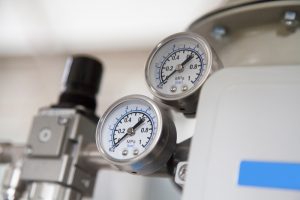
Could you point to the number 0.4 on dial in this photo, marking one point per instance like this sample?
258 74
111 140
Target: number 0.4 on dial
178 67
128 130
135 135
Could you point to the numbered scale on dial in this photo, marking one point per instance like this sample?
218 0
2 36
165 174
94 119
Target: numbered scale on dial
178 67
135 135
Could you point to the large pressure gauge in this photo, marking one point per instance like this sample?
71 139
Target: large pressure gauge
136 136
177 68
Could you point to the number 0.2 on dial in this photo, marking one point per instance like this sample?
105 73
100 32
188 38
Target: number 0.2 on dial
128 130
132 133
170 77
135 135
177 68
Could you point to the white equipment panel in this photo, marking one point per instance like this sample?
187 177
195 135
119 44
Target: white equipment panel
246 143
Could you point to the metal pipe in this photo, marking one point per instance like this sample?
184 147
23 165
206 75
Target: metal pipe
91 157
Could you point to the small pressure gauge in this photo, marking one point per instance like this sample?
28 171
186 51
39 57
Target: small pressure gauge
178 67
135 135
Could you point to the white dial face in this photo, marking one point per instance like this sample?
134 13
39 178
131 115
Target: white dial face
178 66
128 130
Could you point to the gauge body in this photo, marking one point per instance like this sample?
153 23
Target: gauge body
178 67
135 135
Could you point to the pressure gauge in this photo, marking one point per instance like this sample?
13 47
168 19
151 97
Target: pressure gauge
178 67
135 135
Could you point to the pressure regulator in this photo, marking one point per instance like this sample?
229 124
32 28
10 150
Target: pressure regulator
178 67
136 135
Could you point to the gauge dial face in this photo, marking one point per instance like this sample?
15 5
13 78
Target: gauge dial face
128 129
178 66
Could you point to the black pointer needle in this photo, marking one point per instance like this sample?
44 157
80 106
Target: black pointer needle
138 123
122 138
190 57
130 131
173 72
178 68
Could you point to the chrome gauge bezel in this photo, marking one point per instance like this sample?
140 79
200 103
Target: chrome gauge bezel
151 147
209 56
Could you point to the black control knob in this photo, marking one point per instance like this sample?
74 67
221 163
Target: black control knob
81 82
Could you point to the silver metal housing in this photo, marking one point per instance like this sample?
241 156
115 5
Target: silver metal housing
55 161
185 102
51 191
159 151
255 33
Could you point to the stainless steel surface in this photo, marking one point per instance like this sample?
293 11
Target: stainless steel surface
46 136
12 185
51 191
92 159
185 102
35 169
57 159
257 33
159 151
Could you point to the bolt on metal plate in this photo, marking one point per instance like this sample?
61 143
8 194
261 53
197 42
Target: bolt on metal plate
180 175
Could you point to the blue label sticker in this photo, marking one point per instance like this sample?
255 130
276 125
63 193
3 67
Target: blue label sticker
270 174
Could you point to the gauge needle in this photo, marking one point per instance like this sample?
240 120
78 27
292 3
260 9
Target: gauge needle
188 59
130 131
138 124
178 68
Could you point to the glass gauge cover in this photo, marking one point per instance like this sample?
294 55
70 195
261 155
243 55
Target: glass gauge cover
178 66
129 132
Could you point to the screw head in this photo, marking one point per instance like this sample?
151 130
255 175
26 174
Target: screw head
184 88
85 182
182 172
290 15
290 19
63 120
136 152
125 152
219 32
173 89
45 135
